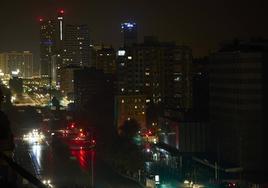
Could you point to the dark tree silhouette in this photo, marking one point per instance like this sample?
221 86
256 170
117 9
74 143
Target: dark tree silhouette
129 129
55 102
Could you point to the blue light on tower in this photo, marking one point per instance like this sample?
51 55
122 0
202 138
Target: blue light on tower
128 25
129 33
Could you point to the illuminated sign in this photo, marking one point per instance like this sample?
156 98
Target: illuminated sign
121 52
61 25
157 179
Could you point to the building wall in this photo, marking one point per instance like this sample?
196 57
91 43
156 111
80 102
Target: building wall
130 107
48 44
67 80
160 71
13 61
105 59
76 45
236 106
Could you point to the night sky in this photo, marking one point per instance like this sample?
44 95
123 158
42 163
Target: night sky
202 24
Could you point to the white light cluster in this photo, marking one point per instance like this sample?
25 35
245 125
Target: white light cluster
34 137
47 183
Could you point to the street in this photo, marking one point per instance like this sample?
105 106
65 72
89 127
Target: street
58 166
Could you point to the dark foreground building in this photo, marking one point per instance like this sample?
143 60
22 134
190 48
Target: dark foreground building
94 95
238 102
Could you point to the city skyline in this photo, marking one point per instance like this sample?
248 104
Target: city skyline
182 22
133 93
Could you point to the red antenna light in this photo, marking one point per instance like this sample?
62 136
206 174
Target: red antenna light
41 19
62 11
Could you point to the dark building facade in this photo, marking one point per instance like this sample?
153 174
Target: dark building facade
104 58
238 101
94 96
76 45
90 83
200 86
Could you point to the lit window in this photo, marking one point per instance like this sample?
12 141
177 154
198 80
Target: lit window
136 107
129 57
121 53
123 101
177 79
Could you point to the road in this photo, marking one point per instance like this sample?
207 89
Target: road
67 168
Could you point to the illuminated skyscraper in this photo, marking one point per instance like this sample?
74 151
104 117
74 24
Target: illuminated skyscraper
51 41
129 33
47 44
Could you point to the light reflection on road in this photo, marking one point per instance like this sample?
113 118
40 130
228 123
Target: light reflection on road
83 157
36 150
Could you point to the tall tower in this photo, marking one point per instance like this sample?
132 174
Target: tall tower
129 33
48 39
60 29
76 45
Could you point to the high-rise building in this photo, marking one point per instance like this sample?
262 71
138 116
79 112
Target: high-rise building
201 89
67 80
159 70
90 83
130 107
51 41
238 102
94 96
76 45
129 33
104 58
48 38
20 63
56 66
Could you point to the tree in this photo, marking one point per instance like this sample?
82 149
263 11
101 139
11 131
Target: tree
55 102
